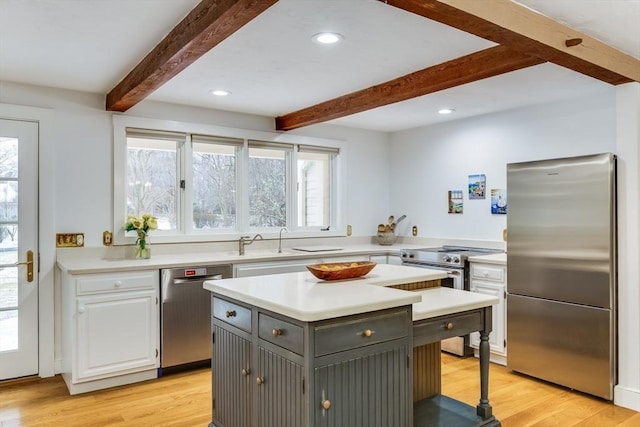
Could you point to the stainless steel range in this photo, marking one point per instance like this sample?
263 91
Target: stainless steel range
453 260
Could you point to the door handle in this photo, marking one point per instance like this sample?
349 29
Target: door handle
29 264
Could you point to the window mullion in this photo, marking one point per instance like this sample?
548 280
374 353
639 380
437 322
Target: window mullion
242 193
186 190
292 191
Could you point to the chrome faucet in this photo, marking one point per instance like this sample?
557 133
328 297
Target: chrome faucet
280 239
244 241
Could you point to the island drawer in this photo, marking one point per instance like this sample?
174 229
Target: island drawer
486 272
447 326
98 283
233 314
336 337
281 333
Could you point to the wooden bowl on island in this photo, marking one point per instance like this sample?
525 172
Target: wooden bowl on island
341 270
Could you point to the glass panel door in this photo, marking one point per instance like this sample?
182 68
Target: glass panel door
18 249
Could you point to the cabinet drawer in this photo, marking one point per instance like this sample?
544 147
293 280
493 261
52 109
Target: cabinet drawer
361 332
116 282
281 333
233 314
487 272
455 325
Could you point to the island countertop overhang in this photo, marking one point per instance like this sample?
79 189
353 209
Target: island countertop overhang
303 297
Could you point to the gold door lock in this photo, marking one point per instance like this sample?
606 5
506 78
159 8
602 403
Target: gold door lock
29 264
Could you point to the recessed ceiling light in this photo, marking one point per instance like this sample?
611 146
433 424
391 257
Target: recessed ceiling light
446 111
327 38
220 92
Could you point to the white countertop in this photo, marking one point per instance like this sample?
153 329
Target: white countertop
441 301
301 296
304 297
75 262
500 258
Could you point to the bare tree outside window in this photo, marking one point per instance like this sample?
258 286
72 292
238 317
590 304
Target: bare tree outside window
214 186
151 180
267 188
203 185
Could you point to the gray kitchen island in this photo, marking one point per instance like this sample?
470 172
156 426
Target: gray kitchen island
290 350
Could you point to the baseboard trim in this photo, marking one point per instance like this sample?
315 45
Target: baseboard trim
626 397
84 387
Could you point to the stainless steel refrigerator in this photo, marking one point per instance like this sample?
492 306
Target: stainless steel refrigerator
561 266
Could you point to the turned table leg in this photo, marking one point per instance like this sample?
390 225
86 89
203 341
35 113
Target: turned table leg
484 408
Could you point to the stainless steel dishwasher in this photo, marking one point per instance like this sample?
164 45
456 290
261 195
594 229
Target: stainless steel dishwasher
185 315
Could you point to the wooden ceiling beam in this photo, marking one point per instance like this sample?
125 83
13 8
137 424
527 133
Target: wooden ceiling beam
208 24
515 26
466 69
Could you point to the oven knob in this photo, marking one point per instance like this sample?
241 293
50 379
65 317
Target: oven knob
447 259
456 260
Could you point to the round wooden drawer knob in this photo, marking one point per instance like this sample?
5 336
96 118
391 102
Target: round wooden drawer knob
326 404
259 380
246 372
448 326
276 332
367 333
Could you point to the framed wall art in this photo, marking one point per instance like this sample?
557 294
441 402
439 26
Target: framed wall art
498 201
455 201
477 186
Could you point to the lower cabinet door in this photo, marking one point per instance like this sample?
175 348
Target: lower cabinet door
232 379
117 333
497 335
372 390
280 391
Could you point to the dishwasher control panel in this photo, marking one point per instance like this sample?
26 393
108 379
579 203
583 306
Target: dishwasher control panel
195 272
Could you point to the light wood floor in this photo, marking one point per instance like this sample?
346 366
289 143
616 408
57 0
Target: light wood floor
184 400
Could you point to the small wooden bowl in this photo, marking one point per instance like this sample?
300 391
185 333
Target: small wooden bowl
341 270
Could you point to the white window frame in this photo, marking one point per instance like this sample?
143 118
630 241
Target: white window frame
188 195
333 177
184 232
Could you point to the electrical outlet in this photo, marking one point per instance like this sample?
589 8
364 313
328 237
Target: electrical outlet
107 238
69 240
349 230
414 230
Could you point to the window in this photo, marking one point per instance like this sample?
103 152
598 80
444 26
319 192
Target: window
204 187
151 183
315 178
214 183
268 184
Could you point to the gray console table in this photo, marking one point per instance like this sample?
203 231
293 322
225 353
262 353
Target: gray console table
439 410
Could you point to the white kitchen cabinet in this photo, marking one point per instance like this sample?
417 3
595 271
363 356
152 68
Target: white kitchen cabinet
291 266
110 330
491 279
264 268
392 259
345 258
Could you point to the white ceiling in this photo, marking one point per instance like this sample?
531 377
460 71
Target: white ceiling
272 67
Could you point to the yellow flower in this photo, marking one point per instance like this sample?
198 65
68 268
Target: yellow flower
141 224
153 223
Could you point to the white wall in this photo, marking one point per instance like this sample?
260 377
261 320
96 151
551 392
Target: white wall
427 162
83 157
79 183
410 175
627 392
